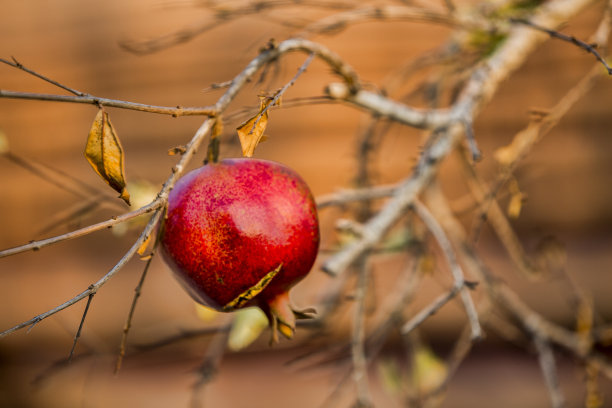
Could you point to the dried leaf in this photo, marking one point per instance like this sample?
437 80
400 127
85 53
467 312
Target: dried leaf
516 200
143 247
251 132
177 150
247 326
105 154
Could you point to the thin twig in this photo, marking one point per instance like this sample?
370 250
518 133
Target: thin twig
128 322
19 65
280 93
210 366
395 207
146 233
546 359
342 20
112 103
431 309
471 140
36 245
509 158
92 289
360 365
223 14
78 333
590 48
345 196
183 335
447 249
478 90
44 175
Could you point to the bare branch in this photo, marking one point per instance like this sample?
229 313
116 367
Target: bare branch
78 333
377 226
346 196
36 245
19 65
281 91
94 287
546 359
431 309
112 103
590 48
146 233
460 282
478 90
223 14
342 20
210 365
128 322
360 365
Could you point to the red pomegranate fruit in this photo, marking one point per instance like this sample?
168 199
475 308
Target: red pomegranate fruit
241 233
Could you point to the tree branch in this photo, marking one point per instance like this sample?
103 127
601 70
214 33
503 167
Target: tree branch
146 233
590 48
460 283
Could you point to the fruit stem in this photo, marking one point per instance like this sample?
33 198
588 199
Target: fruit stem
280 316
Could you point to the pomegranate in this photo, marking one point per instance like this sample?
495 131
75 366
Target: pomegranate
241 233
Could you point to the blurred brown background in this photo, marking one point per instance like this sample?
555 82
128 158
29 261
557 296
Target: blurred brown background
567 179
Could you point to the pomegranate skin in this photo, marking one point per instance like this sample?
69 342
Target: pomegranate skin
229 224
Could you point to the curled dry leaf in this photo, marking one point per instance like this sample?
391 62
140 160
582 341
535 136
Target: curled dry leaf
251 132
516 199
105 154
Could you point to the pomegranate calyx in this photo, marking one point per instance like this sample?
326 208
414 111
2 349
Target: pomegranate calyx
246 296
282 316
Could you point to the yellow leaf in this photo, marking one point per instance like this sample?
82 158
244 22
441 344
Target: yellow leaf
143 247
247 326
105 154
584 318
516 200
177 150
251 132
429 371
